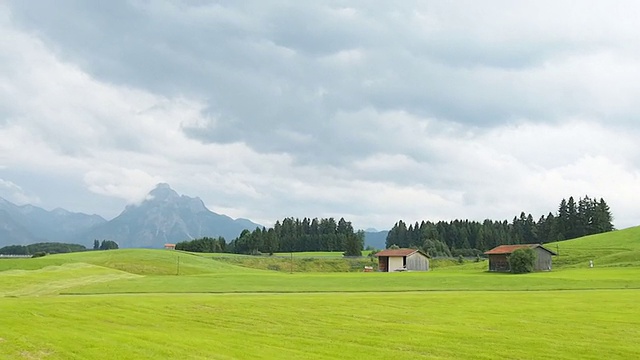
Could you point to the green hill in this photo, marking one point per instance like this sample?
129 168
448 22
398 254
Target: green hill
616 248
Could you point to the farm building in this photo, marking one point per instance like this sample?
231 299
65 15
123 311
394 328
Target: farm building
402 259
170 246
499 257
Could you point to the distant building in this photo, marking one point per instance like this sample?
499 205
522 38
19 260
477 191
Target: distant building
499 257
402 260
170 246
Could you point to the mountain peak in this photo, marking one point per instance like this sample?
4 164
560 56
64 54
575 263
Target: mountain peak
163 191
167 217
162 186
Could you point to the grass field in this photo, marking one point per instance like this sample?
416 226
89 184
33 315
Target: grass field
131 304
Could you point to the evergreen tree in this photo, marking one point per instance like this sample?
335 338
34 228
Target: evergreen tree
354 244
573 228
603 220
562 220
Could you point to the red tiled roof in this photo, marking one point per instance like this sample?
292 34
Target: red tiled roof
508 249
396 252
169 245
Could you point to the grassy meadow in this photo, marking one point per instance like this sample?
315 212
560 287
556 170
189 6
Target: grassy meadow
157 304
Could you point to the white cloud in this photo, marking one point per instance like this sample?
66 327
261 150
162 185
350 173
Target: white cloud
16 194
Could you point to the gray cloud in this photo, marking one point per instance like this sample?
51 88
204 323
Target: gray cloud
369 109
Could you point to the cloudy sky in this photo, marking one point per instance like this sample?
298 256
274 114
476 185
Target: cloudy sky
371 110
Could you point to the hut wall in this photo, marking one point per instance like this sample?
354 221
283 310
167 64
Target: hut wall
395 262
543 260
383 263
417 262
499 263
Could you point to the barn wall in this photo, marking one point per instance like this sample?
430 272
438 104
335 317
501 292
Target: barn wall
543 260
499 263
395 262
383 263
417 262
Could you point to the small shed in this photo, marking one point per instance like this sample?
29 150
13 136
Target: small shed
499 257
402 260
169 246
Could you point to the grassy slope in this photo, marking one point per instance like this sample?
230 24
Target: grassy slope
616 248
135 261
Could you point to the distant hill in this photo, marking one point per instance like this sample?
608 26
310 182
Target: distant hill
166 217
26 224
375 238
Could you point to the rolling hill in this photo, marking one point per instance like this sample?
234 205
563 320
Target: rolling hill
615 248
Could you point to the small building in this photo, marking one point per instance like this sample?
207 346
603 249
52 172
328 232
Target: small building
402 260
169 246
499 257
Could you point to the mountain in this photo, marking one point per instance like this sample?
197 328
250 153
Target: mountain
12 233
166 217
26 224
376 239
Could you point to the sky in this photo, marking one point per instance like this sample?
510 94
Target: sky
374 111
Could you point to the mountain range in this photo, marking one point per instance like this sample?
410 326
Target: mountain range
163 217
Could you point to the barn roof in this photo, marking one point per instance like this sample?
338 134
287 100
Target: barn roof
508 249
398 252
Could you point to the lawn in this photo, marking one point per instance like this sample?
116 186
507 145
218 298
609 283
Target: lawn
435 325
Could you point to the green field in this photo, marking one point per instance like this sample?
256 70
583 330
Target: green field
157 304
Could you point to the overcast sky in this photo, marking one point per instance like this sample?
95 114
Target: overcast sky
372 110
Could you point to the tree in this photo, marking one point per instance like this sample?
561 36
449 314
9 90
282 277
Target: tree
354 244
96 244
436 248
397 235
522 261
562 223
108 245
573 230
603 220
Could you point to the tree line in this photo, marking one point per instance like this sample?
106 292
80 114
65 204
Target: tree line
295 235
105 245
205 245
464 237
288 235
46 247
55 248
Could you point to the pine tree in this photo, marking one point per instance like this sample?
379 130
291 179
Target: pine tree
603 220
562 220
573 228
354 244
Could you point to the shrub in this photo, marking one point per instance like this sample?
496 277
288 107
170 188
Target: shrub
522 261
39 254
274 267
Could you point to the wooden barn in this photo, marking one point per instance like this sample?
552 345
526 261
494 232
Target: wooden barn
499 257
402 260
